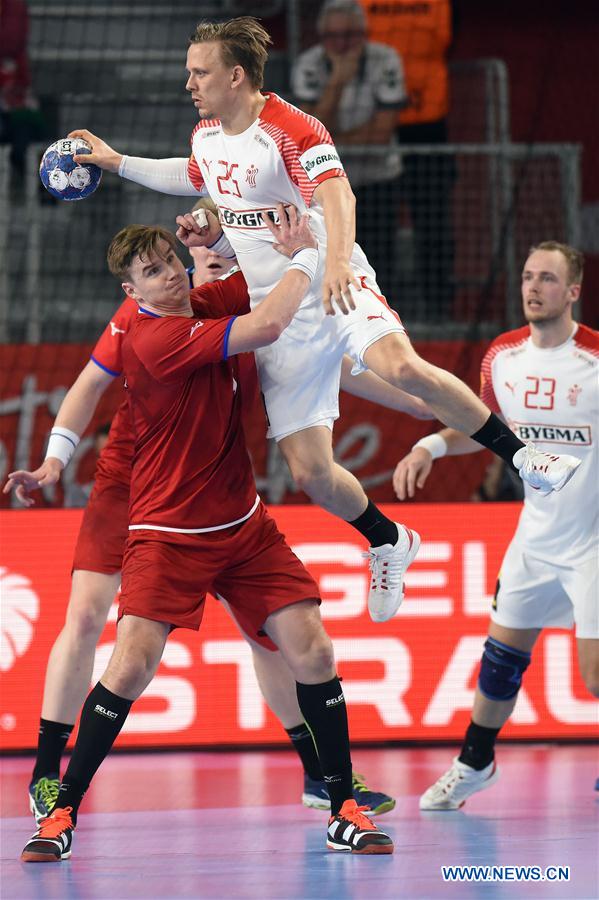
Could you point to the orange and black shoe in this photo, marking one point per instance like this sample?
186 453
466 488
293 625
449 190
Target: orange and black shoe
52 841
350 831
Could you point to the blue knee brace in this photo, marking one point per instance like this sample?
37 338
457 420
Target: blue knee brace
501 670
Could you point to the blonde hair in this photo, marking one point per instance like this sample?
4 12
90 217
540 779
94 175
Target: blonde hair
244 42
136 241
573 257
206 203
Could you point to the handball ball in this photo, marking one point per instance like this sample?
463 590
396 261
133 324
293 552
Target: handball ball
62 176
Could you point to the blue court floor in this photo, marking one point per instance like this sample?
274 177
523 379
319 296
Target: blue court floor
207 825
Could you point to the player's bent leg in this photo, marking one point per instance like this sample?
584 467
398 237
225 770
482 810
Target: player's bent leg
309 455
136 656
298 632
71 659
139 646
588 662
277 685
394 359
502 667
68 675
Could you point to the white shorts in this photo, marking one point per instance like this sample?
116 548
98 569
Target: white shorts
300 373
535 593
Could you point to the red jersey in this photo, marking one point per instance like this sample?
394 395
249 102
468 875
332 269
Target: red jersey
115 460
209 300
191 470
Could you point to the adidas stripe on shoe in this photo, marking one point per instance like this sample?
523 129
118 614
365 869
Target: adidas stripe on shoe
350 831
52 841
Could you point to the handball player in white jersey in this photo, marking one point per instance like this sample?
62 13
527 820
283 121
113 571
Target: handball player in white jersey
250 151
544 380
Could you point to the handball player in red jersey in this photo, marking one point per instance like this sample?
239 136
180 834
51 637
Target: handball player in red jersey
197 525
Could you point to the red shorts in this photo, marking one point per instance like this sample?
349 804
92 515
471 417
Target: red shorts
166 576
104 528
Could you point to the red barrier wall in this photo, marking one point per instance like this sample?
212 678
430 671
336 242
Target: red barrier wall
410 678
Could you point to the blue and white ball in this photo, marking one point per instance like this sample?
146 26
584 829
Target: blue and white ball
62 176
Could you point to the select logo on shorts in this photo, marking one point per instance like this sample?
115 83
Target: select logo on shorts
105 712
319 159
335 701
574 435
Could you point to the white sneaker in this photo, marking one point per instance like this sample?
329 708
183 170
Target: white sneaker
387 566
454 787
544 472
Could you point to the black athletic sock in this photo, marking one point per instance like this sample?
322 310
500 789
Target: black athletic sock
497 437
323 708
303 744
52 740
376 527
102 717
478 749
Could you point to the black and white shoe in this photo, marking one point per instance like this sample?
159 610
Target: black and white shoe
52 841
350 831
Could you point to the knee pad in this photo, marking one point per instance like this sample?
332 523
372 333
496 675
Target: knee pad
501 670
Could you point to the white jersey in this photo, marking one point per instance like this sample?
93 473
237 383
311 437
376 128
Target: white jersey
551 397
281 158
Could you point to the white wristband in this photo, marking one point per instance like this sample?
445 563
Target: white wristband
62 443
306 260
222 247
434 443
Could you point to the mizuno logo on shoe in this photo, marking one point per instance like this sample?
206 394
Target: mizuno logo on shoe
105 712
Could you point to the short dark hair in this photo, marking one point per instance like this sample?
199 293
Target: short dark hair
574 258
244 42
136 240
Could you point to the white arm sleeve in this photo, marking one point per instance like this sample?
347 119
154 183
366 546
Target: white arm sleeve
169 176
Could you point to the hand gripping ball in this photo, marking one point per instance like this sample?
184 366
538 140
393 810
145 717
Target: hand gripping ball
62 176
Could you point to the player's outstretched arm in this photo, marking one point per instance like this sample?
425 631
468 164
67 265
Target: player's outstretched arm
168 176
265 324
412 471
73 417
369 386
339 205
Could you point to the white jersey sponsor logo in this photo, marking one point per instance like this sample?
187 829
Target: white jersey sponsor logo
114 330
319 159
553 434
195 328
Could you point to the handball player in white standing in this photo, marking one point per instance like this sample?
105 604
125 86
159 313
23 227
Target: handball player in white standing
544 380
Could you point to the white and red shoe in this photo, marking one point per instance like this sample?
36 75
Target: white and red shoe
388 565
545 472
457 784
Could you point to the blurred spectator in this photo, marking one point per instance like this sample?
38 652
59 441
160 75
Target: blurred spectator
20 119
356 87
421 32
